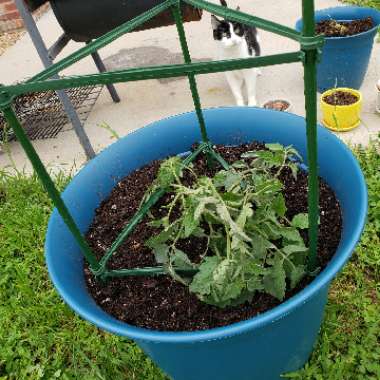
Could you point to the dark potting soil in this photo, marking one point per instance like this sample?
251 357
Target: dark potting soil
335 28
161 303
340 98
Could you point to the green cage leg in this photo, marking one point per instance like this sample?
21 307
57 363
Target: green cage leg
176 11
310 82
49 186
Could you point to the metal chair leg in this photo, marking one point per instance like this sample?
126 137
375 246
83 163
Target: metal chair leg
43 52
101 67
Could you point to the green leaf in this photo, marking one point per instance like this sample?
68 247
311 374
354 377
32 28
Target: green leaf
245 213
266 156
293 152
294 168
220 178
232 199
229 292
169 170
255 284
227 284
275 147
279 206
212 218
157 223
232 179
189 223
239 165
162 237
201 284
272 158
161 253
226 217
296 275
253 274
222 272
291 235
289 249
199 232
250 154
272 230
301 221
202 205
240 246
269 186
260 246
180 260
274 280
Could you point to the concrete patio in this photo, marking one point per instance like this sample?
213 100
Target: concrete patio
144 102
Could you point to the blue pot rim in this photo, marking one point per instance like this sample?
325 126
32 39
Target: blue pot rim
368 32
238 328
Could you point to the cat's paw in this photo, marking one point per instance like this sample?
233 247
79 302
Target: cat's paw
240 103
252 102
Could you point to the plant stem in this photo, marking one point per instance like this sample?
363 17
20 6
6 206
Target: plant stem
283 163
228 241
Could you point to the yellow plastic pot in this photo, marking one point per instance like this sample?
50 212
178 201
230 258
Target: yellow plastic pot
341 118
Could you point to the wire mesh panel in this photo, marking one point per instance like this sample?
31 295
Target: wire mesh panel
42 115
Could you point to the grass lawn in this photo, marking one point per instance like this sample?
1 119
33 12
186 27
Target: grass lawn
365 3
41 338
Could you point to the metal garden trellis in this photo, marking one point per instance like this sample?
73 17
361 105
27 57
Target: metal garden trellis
308 55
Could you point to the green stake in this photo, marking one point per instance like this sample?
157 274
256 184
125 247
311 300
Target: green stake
49 185
146 271
176 11
310 82
152 72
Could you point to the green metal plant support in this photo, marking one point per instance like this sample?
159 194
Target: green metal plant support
308 54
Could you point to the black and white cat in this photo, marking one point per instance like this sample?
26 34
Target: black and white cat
236 40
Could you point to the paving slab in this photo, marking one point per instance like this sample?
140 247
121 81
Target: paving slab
146 101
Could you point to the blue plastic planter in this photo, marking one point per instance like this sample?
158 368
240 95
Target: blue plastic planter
261 348
345 60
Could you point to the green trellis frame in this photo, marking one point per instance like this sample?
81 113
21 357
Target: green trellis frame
309 52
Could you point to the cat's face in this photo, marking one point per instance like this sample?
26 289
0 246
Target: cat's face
229 34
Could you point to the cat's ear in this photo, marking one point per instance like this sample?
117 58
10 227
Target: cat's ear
238 8
224 3
215 22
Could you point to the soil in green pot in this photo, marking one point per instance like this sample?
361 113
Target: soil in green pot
336 28
340 98
160 302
